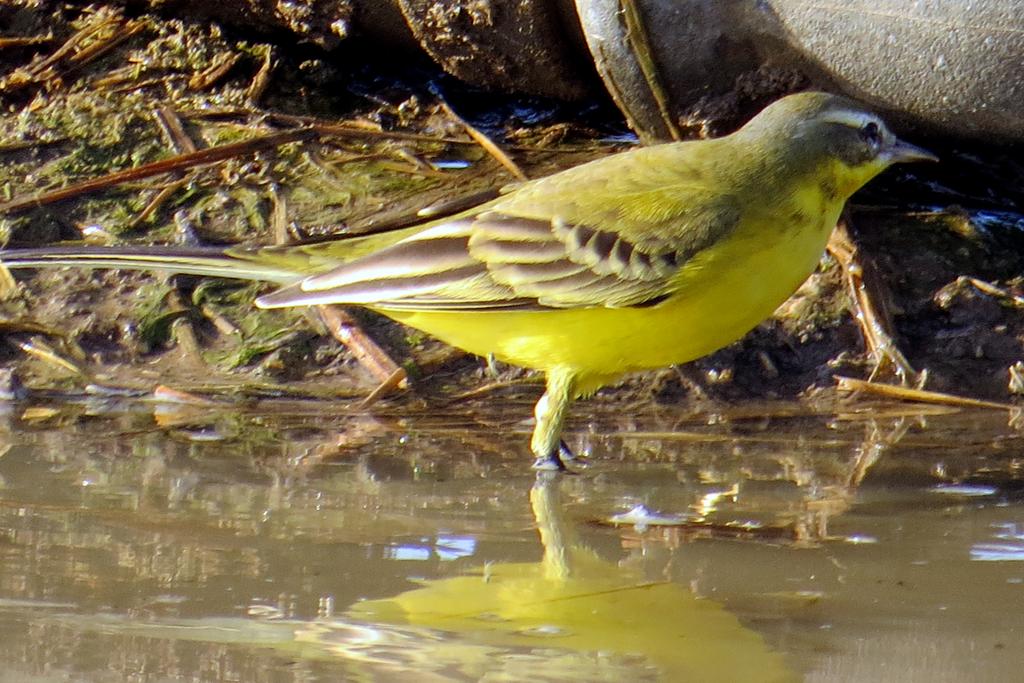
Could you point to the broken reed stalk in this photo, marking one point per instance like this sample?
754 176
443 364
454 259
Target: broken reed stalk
261 80
174 130
27 41
345 329
222 64
177 163
919 395
349 129
486 143
868 295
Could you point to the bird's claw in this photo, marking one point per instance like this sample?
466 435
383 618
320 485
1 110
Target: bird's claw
549 463
559 460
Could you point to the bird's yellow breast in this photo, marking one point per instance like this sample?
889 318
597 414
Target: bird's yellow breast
721 294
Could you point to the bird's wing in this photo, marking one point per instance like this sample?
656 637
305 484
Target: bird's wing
534 252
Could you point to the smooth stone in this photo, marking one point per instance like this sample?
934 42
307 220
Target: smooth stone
953 65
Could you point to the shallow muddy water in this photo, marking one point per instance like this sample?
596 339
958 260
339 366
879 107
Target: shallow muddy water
292 543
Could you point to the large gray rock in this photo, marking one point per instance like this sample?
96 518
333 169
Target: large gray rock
956 65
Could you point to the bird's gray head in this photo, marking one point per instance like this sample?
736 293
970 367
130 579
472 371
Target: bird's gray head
810 128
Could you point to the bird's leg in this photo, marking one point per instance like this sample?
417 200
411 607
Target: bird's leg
547 444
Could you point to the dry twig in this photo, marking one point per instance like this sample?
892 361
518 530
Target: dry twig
222 64
345 329
919 395
261 80
869 299
24 41
488 145
178 163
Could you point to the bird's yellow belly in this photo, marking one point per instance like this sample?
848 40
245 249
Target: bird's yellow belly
720 300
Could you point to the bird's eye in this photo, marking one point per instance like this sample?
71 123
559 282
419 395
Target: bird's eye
871 133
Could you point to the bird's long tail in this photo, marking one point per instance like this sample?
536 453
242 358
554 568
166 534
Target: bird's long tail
269 265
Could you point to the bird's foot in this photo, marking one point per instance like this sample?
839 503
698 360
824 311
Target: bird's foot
559 459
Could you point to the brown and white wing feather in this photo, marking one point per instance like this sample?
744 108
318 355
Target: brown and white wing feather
498 261
566 266
431 269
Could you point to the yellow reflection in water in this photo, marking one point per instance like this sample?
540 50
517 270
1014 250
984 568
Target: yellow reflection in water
572 616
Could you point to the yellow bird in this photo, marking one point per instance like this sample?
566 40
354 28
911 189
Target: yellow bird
639 260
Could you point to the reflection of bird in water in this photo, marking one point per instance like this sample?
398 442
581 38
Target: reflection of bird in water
571 616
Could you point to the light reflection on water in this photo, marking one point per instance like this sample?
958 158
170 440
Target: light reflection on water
293 544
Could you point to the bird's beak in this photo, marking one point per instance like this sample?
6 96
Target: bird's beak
900 152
